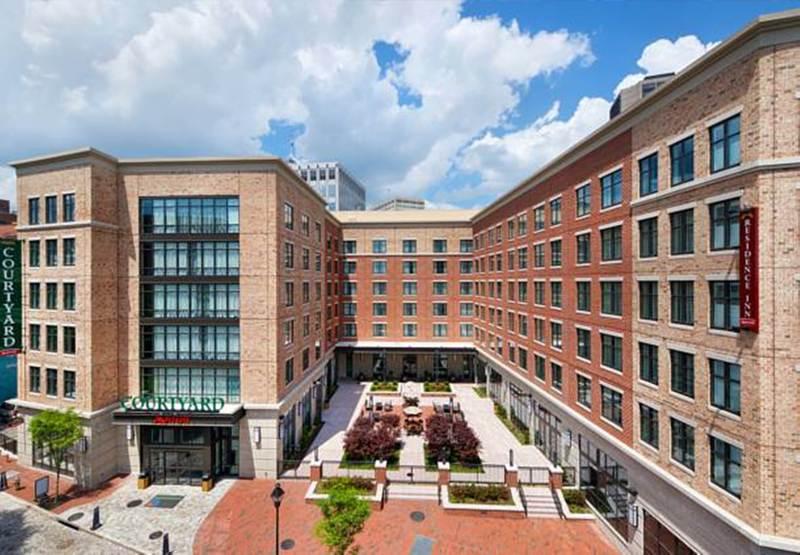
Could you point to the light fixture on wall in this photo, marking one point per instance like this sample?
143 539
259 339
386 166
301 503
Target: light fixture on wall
280 427
633 509
83 444
257 434
129 432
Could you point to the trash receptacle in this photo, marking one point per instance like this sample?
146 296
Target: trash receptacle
208 482
143 481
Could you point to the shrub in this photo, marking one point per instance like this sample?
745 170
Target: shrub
410 401
460 444
492 494
390 419
344 514
366 440
358 483
384 386
576 500
413 427
480 390
466 445
437 387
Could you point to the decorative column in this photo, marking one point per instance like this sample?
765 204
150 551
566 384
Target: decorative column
556 477
380 472
444 473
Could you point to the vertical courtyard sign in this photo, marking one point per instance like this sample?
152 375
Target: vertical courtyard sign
11 299
748 270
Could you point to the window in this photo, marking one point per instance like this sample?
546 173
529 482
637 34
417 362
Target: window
440 309
611 405
523 325
584 296
409 246
379 288
440 330
288 332
188 215
52 382
379 246
725 146
68 207
538 255
409 288
611 239
349 309
538 293
648 300
538 330
439 266
725 385
349 246
69 340
725 305
682 302
555 211
682 443
538 218
648 363
583 244
379 309
439 245
51 252
555 252
611 298
349 330
34 337
611 189
409 330
682 372
33 211
584 391
648 425
305 225
583 197
726 466
522 359
465 246
33 253
349 267
288 255
440 288
409 309
288 293
584 343
288 371
538 362
50 209
522 258
648 175
379 330
34 379
682 232
34 295
378 267
522 224
648 238
556 376
173 342
69 384
51 297
69 252
288 216
724 220
555 294
612 351
682 161
409 267
556 335
306 259
522 291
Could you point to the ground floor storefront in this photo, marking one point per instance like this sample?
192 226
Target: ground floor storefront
377 363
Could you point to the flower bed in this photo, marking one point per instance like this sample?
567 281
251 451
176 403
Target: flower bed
384 386
368 441
364 486
480 391
475 494
519 431
453 441
437 387
576 500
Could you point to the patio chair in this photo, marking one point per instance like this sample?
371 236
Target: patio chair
378 405
387 407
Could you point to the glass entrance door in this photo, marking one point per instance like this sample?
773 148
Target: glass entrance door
181 467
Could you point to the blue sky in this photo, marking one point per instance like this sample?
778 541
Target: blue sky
451 101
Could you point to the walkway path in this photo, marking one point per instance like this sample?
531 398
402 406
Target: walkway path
495 437
344 408
413 452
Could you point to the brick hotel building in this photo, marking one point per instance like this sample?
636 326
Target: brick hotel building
599 300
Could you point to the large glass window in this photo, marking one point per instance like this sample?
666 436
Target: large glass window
725 144
682 161
184 300
725 385
724 223
190 342
190 258
648 175
611 189
726 466
195 215
682 372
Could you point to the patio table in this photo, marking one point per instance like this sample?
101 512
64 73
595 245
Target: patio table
412 411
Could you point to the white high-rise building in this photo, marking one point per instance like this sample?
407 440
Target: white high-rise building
334 183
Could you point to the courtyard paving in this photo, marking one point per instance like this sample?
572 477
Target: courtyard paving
25 529
243 523
133 525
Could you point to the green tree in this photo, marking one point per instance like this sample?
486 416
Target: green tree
344 514
56 431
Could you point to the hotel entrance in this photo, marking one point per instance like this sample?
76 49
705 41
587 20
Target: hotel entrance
183 455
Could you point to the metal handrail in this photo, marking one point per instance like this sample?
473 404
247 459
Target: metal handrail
557 500
522 498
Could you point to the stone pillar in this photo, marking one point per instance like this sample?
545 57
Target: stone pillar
556 477
315 471
444 473
512 476
380 472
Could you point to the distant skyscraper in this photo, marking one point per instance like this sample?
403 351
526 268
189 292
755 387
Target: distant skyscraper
399 203
334 183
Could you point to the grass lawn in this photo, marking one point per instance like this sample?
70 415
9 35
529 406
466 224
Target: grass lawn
576 500
519 432
384 386
480 390
437 387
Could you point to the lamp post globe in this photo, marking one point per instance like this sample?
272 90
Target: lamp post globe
277 496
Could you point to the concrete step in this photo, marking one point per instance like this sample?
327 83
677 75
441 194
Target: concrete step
540 502
425 492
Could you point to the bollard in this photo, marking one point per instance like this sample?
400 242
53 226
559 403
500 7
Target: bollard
3 481
96 518
165 545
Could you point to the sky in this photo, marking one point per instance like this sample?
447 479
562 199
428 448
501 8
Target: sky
447 100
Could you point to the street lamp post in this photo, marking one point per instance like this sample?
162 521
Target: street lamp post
277 496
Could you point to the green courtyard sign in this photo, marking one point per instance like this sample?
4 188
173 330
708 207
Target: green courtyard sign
172 404
11 299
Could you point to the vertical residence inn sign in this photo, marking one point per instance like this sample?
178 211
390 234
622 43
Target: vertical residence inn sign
748 270
11 299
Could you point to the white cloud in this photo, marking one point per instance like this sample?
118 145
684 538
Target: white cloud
666 56
207 76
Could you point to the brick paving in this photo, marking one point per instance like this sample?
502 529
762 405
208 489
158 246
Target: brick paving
242 523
